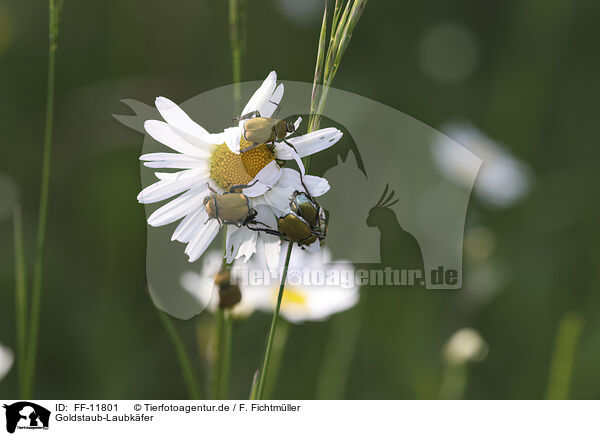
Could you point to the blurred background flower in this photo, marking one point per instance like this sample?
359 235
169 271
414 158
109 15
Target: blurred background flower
502 179
465 345
6 361
307 296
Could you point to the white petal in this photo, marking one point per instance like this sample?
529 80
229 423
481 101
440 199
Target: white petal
176 117
271 249
272 103
296 125
199 286
231 136
239 243
166 135
262 94
314 247
178 208
295 156
278 199
316 185
264 180
179 182
173 160
271 243
310 143
190 225
202 240
248 243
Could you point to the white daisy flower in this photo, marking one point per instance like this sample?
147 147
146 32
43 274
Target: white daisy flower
6 361
502 179
213 162
465 345
315 289
302 301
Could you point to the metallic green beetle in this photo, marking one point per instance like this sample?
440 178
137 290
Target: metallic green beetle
260 130
304 223
231 207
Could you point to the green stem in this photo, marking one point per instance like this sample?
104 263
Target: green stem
269 347
237 37
182 356
454 381
36 298
226 355
20 298
217 364
561 366
279 343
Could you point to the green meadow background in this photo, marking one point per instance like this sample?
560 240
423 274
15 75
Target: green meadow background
532 84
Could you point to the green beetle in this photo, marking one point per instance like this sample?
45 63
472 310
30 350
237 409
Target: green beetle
304 223
260 130
231 207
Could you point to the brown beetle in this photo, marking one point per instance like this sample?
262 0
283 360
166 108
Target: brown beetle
304 223
231 207
260 130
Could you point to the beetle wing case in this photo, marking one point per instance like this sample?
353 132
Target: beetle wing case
233 207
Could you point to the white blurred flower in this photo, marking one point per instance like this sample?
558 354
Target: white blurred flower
202 287
465 345
205 161
502 179
6 361
301 301
308 294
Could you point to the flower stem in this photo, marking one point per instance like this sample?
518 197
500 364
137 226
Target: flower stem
268 349
237 39
36 298
225 355
454 381
217 364
182 356
325 70
279 343
20 298
561 367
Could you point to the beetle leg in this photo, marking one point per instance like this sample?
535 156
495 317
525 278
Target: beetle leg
256 144
277 109
247 116
266 230
290 145
232 188
210 188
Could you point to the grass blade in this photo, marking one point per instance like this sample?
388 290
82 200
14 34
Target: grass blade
55 8
561 366
182 356
20 298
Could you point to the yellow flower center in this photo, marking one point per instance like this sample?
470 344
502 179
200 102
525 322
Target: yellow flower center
292 296
228 168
